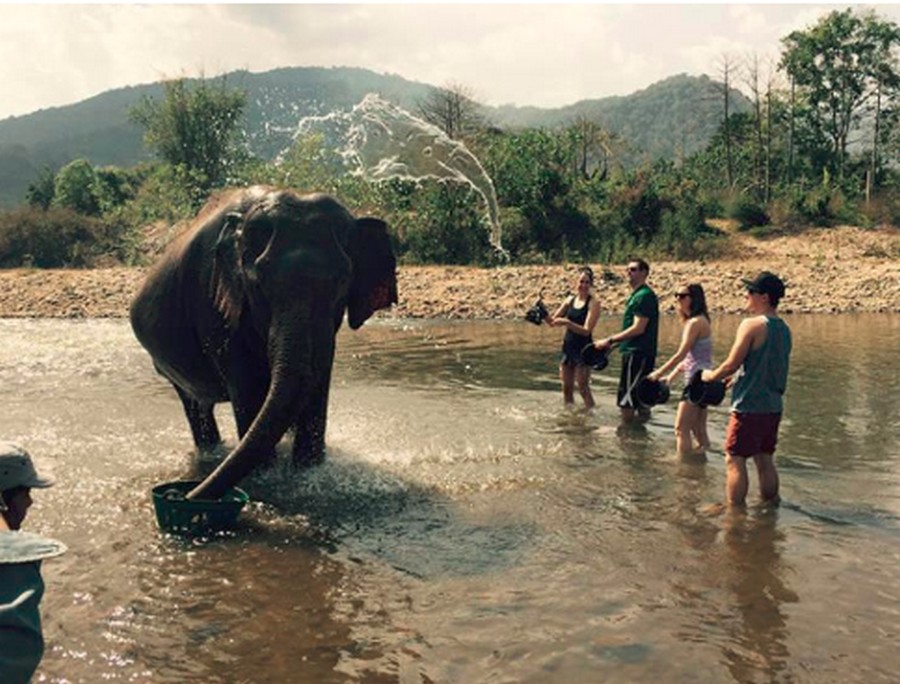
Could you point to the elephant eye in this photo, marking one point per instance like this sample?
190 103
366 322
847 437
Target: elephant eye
255 238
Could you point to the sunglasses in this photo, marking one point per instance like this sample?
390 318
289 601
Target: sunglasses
682 295
633 269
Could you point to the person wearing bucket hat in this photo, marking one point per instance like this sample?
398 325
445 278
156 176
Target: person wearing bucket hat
21 553
694 352
758 364
637 340
579 314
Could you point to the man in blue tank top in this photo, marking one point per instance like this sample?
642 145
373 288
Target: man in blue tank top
760 358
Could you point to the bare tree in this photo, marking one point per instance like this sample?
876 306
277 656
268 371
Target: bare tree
726 71
454 109
751 80
594 148
762 73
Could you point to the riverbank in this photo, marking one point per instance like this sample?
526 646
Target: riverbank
834 270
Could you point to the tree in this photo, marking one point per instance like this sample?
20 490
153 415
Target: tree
196 127
41 190
594 148
454 110
74 188
843 65
726 69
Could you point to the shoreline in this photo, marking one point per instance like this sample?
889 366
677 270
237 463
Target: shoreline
830 270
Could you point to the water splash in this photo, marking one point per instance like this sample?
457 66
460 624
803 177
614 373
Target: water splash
379 141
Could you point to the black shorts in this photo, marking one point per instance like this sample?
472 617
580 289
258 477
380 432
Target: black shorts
571 350
686 396
635 367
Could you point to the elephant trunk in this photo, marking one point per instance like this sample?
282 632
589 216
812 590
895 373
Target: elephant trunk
297 360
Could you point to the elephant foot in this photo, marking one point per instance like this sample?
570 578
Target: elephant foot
268 459
308 459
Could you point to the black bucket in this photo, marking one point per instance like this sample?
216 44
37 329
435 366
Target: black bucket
595 358
705 393
538 313
652 392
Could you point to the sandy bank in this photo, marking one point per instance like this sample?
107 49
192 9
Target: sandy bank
827 271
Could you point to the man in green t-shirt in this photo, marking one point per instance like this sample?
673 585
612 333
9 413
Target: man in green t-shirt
636 340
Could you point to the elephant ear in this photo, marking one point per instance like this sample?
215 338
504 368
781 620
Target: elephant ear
228 290
374 283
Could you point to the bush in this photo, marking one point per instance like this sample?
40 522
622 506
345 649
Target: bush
166 193
57 238
681 229
884 209
450 228
747 212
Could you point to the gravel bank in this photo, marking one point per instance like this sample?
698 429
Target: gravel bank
827 271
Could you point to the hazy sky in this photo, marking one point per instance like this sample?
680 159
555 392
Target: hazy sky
526 54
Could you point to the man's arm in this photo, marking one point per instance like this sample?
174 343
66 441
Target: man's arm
636 328
747 332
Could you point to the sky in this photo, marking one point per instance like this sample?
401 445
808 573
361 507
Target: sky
545 55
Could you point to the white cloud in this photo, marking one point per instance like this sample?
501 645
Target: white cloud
531 54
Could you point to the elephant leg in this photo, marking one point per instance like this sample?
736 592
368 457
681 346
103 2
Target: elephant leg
202 421
248 385
309 430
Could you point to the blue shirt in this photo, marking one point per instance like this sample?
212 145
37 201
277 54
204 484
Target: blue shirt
21 589
762 378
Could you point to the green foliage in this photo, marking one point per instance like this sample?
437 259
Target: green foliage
747 212
841 64
164 193
114 187
42 189
74 188
57 238
570 190
448 227
195 127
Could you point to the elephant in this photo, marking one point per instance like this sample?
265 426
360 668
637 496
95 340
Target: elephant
244 307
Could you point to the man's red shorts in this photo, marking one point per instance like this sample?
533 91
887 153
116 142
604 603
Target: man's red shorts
752 433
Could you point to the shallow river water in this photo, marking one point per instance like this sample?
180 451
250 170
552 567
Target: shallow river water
465 527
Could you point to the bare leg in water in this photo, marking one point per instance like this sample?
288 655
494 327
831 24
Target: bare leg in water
737 482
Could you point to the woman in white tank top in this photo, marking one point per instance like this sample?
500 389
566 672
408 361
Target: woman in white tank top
694 352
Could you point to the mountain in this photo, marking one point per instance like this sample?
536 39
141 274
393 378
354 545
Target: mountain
673 117
676 115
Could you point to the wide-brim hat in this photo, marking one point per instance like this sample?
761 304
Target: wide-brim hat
17 469
598 359
652 392
705 393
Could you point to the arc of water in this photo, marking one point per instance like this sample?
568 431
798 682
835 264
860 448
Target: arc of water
380 141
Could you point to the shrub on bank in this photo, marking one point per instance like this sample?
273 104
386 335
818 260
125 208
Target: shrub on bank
57 238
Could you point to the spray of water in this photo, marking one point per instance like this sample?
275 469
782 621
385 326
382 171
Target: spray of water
380 141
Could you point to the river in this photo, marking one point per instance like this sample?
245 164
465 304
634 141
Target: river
465 527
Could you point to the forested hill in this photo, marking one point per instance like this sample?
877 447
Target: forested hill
675 116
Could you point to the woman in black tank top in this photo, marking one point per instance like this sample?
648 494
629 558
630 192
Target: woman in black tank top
578 314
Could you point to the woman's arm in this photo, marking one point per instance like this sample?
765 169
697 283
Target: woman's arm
589 323
689 336
675 371
557 317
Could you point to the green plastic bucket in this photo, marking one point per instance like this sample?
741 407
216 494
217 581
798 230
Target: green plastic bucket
195 517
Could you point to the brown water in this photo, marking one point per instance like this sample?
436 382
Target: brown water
466 528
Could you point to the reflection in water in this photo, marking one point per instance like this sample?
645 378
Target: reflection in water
755 574
465 527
